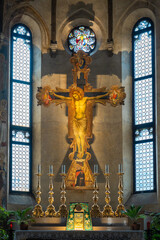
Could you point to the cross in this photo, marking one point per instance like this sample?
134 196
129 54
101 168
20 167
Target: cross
80 104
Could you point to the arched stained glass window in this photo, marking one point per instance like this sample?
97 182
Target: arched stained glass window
82 38
20 109
144 106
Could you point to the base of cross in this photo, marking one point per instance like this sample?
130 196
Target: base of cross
79 175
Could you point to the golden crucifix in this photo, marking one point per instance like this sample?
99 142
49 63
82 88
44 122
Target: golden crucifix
80 105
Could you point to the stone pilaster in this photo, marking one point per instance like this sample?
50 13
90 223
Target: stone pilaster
3 118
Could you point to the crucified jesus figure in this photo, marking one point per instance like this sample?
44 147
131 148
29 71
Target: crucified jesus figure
76 98
80 104
76 95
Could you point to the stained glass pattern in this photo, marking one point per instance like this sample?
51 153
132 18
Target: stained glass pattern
21 126
144 134
20 136
143 55
20 167
82 38
144 166
143 101
21 30
143 106
21 105
21 59
142 25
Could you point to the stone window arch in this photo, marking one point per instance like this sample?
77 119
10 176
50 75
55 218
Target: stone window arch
143 63
40 43
124 41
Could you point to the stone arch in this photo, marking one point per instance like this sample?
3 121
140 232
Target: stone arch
81 17
127 21
26 14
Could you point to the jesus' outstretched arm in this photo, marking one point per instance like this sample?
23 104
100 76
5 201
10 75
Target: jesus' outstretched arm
61 97
98 97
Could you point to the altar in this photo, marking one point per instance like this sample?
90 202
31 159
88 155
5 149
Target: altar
79 235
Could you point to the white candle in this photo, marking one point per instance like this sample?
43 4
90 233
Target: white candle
120 170
63 169
106 168
50 169
95 168
39 168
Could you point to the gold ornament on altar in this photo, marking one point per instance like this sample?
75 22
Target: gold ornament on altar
120 208
107 210
63 212
95 209
38 211
50 212
80 104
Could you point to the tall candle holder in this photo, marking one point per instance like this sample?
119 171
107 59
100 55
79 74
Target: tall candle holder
120 207
63 212
50 211
95 209
107 210
38 211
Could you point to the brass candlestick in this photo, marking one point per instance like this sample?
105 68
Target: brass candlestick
63 212
120 207
95 209
107 210
38 211
50 212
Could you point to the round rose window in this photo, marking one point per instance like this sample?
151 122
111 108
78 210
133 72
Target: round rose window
82 38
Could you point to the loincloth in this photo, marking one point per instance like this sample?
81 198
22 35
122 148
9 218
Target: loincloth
80 125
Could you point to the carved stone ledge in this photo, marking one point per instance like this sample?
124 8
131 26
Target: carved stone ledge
79 235
110 45
3 39
53 48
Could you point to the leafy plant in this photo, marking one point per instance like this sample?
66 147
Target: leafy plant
134 213
4 223
3 235
155 223
4 217
22 216
155 226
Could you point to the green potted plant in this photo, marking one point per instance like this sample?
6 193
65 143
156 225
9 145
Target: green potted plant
4 217
155 226
3 234
134 214
4 223
22 218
